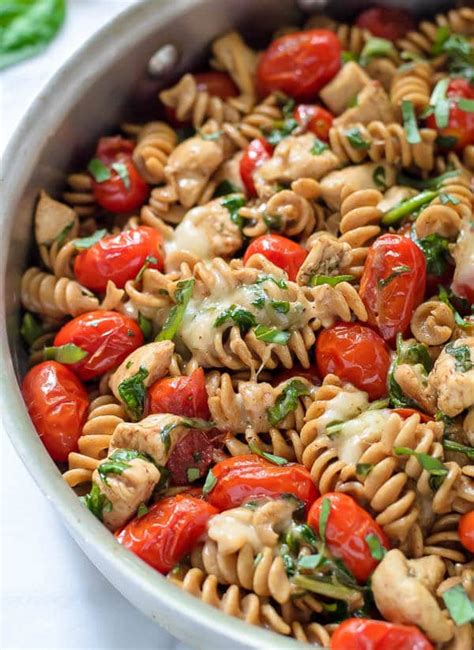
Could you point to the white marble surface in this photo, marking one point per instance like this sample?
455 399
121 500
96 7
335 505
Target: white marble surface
52 596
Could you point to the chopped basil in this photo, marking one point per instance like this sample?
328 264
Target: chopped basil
466 105
142 510
442 35
273 222
452 445
413 354
61 238
410 123
347 56
241 317
425 184
374 48
132 392
122 170
30 329
379 177
323 587
364 469
460 54
97 502
281 130
233 204
269 334
332 280
318 147
436 251
182 296
356 139
396 272
118 462
449 198
87 242
310 561
433 466
67 353
460 607
210 136
225 187
98 170
323 518
352 103
444 296
377 551
146 327
287 401
408 206
189 423
446 141
259 301
209 483
257 559
193 474
440 103
288 106
461 355
280 306
276 460
149 259
280 282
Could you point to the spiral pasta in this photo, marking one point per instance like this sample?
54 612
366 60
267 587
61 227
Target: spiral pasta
432 323
412 85
155 143
79 195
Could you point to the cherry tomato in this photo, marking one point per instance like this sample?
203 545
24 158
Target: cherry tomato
57 403
311 374
241 478
461 123
393 284
386 22
110 148
354 353
407 412
168 531
181 396
119 258
348 526
193 454
217 84
466 531
299 64
365 634
283 252
117 195
254 155
315 119
107 336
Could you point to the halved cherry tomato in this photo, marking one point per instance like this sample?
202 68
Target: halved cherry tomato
406 413
347 528
283 252
117 195
110 148
107 336
193 454
311 374
254 155
180 396
241 478
354 353
315 119
365 634
393 284
119 258
461 123
57 403
466 531
391 23
299 64
168 531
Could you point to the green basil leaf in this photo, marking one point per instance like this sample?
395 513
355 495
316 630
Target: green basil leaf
118 462
142 510
442 35
87 242
347 56
310 561
440 102
410 123
146 327
408 206
356 139
269 334
276 460
233 204
132 392
287 401
444 296
99 170
210 136
97 502
192 474
122 170
319 147
376 48
149 259
323 518
209 483
364 469
225 187
379 177
273 222
436 251
239 316
282 129
425 184
432 465
460 607
31 329
67 354
396 272
377 551
462 356
449 198
452 445
332 280
280 282
61 238
182 296
466 105
288 106
280 306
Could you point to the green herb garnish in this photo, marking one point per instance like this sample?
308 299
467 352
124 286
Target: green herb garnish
436 251
280 306
364 469
280 282
183 294
379 177
425 184
460 607
68 353
209 483
276 460
31 329
87 242
319 147
118 462
192 474
445 297
356 139
287 401
440 103
98 170
233 204
452 445
149 259
132 392
461 355
323 518
281 130
408 206
239 316
332 280
269 334
122 171
61 238
396 272
273 222
97 502
376 48
142 510
377 551
437 470
225 187
146 327
409 122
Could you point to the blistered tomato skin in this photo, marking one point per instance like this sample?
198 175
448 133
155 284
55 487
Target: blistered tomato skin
315 119
299 64
348 526
393 284
116 195
110 148
283 252
356 354
254 155
466 531
241 478
460 123
365 634
57 403
119 258
168 531
108 337
181 396
193 454
391 23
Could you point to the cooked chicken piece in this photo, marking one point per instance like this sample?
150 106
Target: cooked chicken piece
190 167
414 385
230 171
464 257
52 218
373 103
395 195
346 85
468 426
291 160
155 358
126 491
382 70
326 257
357 176
452 377
239 61
155 435
404 593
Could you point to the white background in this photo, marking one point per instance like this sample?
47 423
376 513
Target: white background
52 596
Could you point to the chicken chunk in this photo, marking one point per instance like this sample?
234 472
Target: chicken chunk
373 103
125 491
395 195
346 85
53 218
452 377
230 171
357 176
404 593
155 358
326 257
413 384
190 167
382 70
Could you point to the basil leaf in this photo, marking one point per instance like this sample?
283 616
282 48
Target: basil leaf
225 187
282 129
462 356
408 206
356 139
271 335
446 141
442 35
451 445
288 106
276 460
444 296
379 177
149 259
440 102
182 296
376 47
273 222
118 462
332 280
30 329
189 423
142 510
364 469
461 56
449 198
132 392
87 242
412 354
427 184
27 28
209 483
323 518
61 238
319 147
146 327
280 282
67 354
396 272
233 204
436 252
210 136
287 401
409 122
377 551
122 170
96 502
99 170
310 561
432 465
280 306
460 607
240 316
192 474
347 56
466 105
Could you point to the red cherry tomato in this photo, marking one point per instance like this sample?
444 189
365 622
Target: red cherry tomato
110 148
283 252
117 195
119 258
461 123
193 454
241 478
386 22
254 155
311 374
348 526
168 531
217 84
356 354
466 531
107 336
181 396
406 413
315 119
393 284
299 64
57 403
365 634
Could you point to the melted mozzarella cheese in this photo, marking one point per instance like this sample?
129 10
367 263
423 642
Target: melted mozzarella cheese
233 529
190 236
358 433
344 406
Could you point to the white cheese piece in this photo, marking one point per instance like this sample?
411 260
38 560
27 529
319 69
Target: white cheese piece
357 434
232 529
346 405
